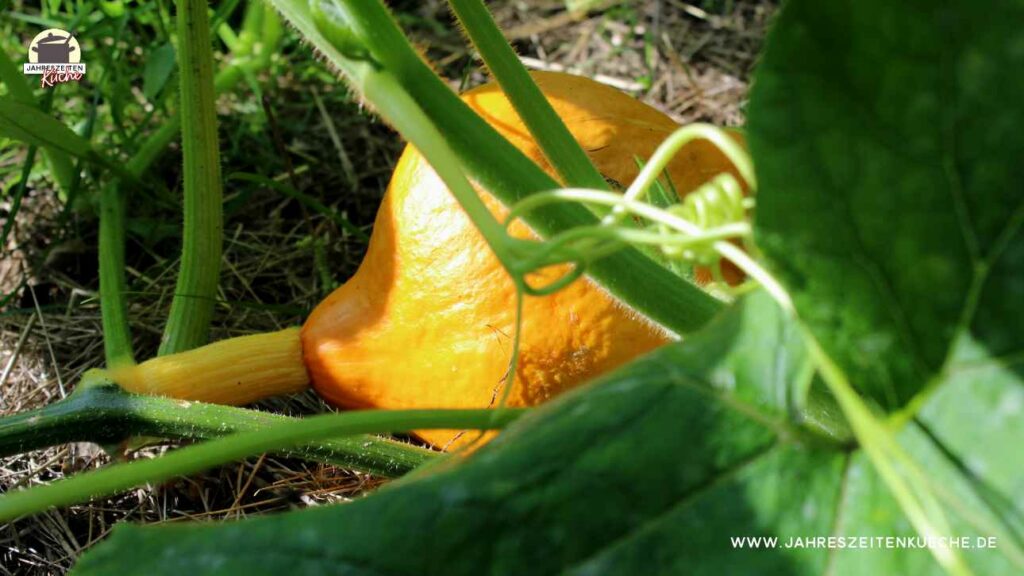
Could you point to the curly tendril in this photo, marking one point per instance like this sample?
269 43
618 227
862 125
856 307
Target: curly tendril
700 230
715 204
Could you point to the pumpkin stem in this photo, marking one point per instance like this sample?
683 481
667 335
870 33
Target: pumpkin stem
235 371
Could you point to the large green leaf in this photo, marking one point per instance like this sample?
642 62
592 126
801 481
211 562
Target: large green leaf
888 142
654 469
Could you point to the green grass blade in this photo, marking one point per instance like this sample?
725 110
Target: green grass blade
26 123
14 79
305 199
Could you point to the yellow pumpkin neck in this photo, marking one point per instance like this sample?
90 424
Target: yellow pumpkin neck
235 371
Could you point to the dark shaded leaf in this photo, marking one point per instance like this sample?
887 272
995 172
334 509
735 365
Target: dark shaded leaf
887 141
28 124
18 89
159 66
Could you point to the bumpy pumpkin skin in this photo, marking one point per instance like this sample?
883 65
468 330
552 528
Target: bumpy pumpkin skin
427 320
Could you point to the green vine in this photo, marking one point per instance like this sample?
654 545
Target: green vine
195 293
117 339
189 460
98 411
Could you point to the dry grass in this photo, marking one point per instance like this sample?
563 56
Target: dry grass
269 281
280 259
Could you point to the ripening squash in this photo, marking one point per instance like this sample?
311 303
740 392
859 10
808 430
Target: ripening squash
428 318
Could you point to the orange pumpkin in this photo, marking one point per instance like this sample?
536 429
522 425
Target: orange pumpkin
427 321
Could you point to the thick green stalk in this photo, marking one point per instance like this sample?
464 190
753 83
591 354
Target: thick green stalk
117 336
195 293
117 339
105 414
117 478
551 134
226 78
